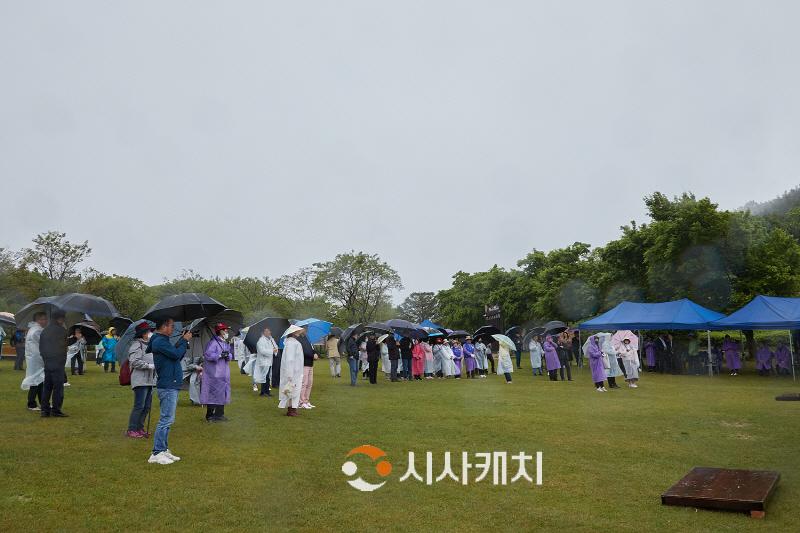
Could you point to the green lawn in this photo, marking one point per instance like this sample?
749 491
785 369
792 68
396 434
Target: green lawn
607 457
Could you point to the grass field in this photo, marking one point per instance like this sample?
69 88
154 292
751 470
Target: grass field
607 457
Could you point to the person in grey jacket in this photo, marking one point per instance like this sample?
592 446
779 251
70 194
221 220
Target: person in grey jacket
143 379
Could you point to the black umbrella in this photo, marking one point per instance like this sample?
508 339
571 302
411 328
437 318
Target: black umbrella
458 334
335 332
513 330
404 328
90 331
530 335
120 323
39 305
379 326
254 331
353 329
233 319
6 320
85 303
184 307
485 332
555 327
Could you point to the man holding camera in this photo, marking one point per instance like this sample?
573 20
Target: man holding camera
215 392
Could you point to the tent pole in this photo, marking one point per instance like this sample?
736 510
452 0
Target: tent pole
709 356
580 343
791 351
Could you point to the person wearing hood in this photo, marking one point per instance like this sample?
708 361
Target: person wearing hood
783 360
428 363
551 358
418 363
334 357
536 351
439 356
167 359
386 364
469 357
241 354
291 371
650 354
76 352
504 363
215 389
764 359
309 356
596 363
53 349
143 379
612 370
458 357
109 342
266 348
630 358
450 358
480 357
732 358
34 365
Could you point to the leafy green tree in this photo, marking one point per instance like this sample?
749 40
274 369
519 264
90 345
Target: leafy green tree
419 306
53 256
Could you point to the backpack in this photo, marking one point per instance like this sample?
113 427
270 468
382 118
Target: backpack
125 373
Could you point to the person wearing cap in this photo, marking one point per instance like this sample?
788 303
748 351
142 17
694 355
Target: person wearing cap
34 366
109 342
143 379
167 358
334 357
53 349
215 389
266 348
291 371
309 356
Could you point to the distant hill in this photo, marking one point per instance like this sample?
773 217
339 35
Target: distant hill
778 206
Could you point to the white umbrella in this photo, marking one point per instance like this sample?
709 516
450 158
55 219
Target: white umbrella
505 340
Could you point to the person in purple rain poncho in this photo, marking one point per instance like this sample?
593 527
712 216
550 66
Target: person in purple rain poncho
650 354
764 360
732 359
215 389
595 356
783 360
458 354
469 357
551 358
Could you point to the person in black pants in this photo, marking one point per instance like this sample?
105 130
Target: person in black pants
564 349
407 356
491 349
53 349
577 352
17 340
373 354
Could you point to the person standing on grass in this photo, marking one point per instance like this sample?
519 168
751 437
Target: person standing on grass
764 359
167 360
480 358
407 356
630 358
53 349
334 357
386 364
469 357
418 363
440 367
577 352
458 357
783 360
536 351
363 357
352 359
215 389
34 365
17 341
650 354
551 358
266 348
491 349
143 379
564 350
612 371
732 358
309 356
504 363
291 371
109 342
76 353
394 355
596 364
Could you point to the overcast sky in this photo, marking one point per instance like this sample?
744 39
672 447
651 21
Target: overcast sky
442 135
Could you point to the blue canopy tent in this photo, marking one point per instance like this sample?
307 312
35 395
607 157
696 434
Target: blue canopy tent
681 314
765 312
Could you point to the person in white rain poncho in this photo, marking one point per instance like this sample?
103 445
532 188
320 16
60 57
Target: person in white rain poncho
480 357
34 364
291 371
612 370
76 352
441 368
240 352
261 364
192 365
630 358
536 350
504 363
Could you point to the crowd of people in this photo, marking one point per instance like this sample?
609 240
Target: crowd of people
160 364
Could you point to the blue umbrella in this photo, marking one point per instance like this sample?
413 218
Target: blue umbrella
124 342
317 329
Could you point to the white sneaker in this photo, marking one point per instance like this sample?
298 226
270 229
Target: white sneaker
634 386
67 384
172 456
304 406
255 387
310 406
34 408
600 389
160 459
604 389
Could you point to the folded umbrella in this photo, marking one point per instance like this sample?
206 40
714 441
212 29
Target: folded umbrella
316 329
125 340
502 339
184 307
254 331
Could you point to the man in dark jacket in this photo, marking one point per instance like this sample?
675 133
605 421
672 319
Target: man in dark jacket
352 359
17 340
53 349
167 359
406 355
373 354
